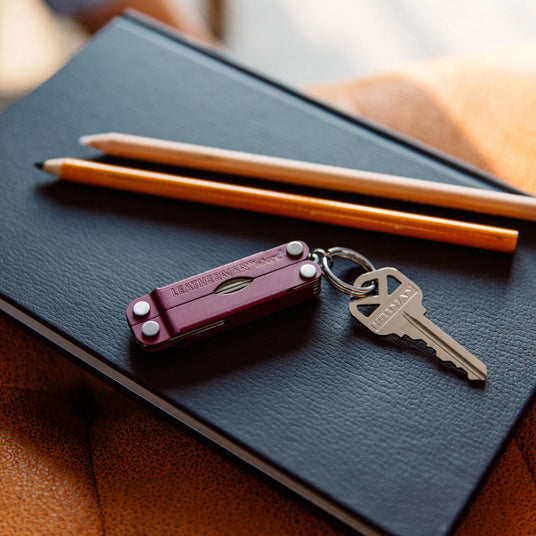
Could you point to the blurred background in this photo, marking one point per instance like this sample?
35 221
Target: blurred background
296 41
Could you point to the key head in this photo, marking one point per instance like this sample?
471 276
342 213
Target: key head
381 311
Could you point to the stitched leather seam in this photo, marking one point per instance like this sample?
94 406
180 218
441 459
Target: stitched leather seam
84 401
526 461
88 408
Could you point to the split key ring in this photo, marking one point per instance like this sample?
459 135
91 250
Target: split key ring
327 262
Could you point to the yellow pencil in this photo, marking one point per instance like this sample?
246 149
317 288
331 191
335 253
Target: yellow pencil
315 175
282 204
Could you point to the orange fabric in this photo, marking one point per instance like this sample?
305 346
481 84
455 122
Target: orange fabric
175 13
479 108
76 457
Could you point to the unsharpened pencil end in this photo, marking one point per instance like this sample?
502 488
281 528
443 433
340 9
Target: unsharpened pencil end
85 140
39 165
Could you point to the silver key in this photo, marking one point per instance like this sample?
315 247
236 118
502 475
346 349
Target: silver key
401 312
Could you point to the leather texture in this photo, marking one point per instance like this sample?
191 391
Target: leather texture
78 457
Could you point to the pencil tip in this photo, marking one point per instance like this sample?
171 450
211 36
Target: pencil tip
39 165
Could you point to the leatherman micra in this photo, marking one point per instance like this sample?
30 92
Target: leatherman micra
225 297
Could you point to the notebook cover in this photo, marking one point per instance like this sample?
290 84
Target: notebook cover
373 430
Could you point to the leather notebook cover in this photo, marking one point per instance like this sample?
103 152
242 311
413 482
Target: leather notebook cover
374 430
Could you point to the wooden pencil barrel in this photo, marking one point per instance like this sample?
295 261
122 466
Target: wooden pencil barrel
312 174
289 205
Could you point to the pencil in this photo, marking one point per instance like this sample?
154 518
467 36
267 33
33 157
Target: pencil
282 204
315 175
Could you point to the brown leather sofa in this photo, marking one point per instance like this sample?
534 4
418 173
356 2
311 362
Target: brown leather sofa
76 457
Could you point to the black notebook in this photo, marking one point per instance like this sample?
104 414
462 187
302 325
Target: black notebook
376 431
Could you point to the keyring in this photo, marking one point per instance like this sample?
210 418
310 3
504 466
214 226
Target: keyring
344 253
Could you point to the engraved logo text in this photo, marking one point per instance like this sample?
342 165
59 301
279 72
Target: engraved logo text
395 304
225 272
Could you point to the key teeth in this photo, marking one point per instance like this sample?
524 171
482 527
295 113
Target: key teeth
470 375
476 377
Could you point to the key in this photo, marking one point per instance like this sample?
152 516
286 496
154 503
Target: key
401 312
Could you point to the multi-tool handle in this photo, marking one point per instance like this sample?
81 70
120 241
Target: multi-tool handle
225 297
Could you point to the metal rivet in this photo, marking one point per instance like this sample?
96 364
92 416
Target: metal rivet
141 308
294 249
307 271
150 328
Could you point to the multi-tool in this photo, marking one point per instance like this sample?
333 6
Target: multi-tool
225 297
